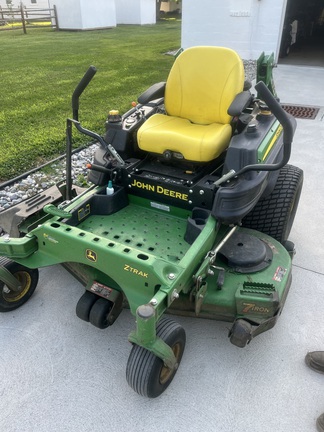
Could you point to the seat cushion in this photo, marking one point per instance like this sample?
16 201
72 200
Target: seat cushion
202 84
199 143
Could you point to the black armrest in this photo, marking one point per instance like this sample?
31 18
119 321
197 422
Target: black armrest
154 92
241 101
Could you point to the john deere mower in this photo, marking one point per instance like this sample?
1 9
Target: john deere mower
189 211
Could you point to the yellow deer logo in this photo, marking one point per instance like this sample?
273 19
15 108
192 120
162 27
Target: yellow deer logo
91 255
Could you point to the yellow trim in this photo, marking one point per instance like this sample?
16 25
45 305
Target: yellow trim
274 139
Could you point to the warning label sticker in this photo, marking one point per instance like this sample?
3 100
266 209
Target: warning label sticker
100 289
279 274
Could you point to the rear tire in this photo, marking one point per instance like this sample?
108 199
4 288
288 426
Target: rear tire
274 215
28 278
145 372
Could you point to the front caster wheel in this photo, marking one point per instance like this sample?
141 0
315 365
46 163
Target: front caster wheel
84 305
146 373
240 333
28 278
99 313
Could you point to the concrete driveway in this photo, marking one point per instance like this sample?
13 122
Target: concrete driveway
58 373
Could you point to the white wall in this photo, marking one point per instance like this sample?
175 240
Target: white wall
247 26
85 15
98 13
136 11
127 11
66 19
148 11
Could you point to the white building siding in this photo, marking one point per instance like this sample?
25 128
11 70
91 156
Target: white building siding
148 11
127 11
247 26
136 11
98 14
85 15
66 18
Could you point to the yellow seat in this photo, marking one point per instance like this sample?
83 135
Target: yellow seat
202 84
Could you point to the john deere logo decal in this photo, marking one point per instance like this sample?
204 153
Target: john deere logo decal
91 255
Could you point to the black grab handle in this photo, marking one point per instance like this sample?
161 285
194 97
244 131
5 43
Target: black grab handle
279 113
288 134
288 131
79 90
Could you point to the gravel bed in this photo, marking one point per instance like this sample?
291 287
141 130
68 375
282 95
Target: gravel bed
250 69
43 179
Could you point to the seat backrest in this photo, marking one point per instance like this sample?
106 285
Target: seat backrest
202 84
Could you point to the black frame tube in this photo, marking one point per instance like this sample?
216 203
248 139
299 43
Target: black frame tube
68 193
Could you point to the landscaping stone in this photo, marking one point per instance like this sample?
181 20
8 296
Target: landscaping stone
42 180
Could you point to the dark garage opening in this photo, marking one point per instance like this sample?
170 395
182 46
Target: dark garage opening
302 41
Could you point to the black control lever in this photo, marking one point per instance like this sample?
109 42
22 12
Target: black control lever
79 90
75 121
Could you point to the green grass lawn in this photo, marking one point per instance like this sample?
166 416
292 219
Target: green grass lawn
40 70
